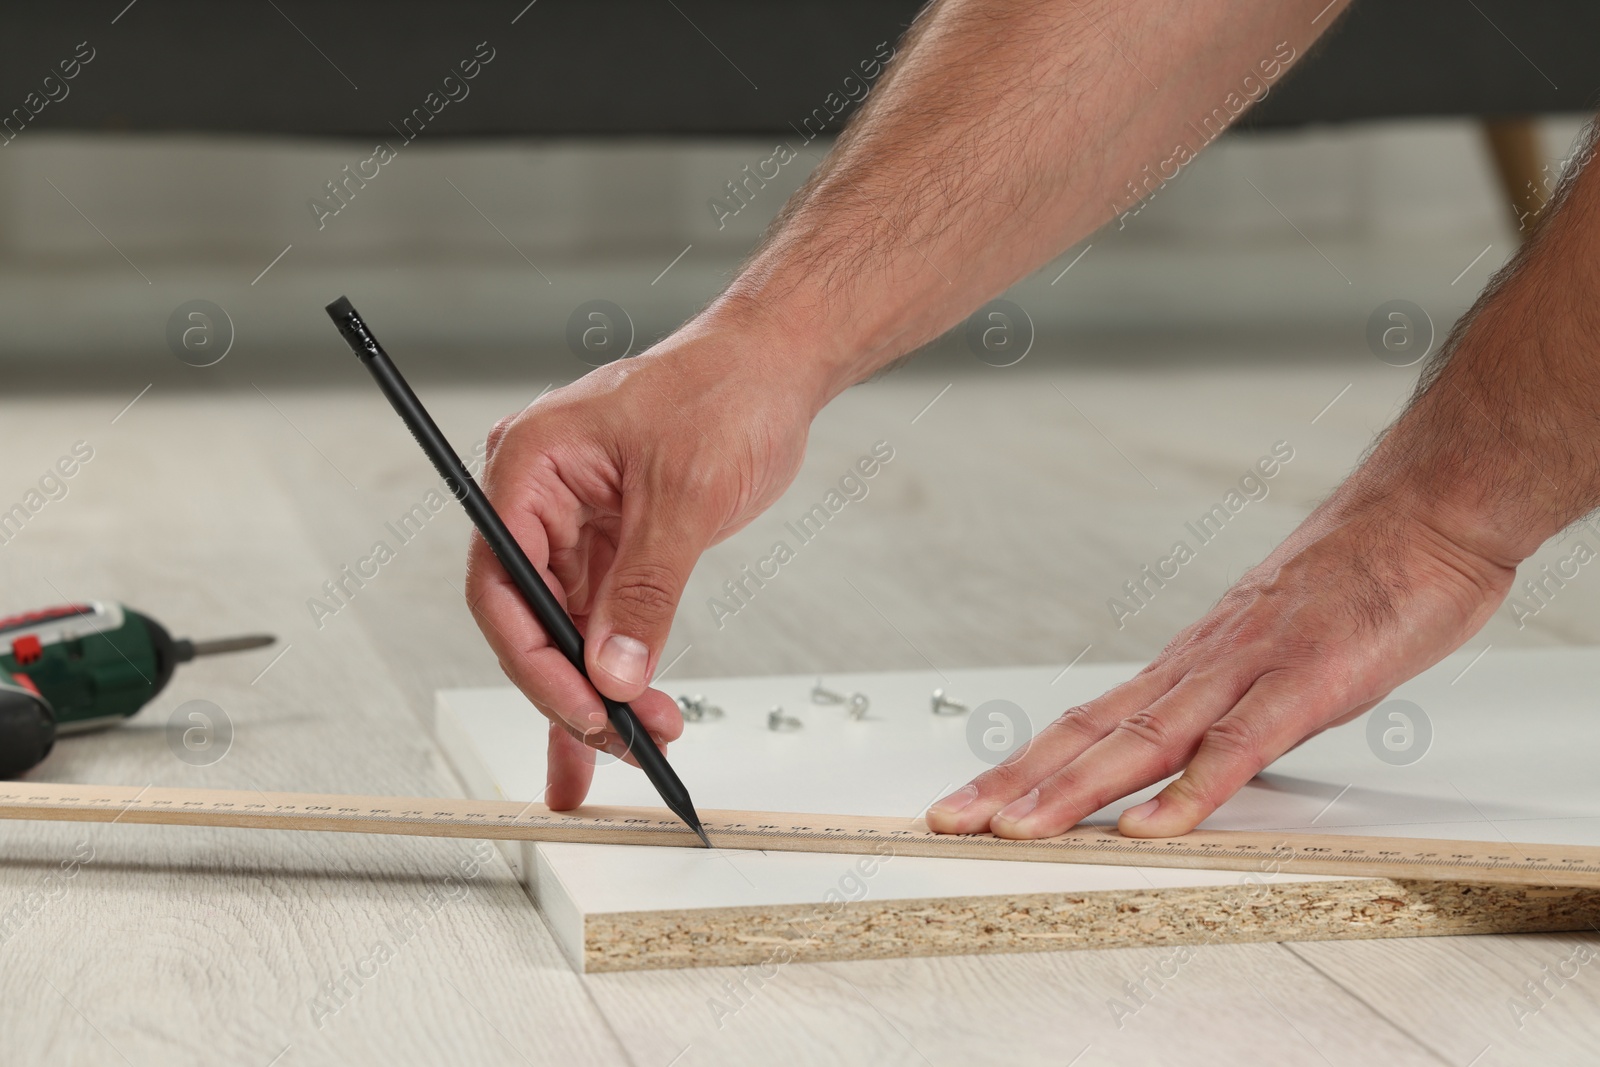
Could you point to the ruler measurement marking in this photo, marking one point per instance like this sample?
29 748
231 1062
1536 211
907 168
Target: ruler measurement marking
1302 853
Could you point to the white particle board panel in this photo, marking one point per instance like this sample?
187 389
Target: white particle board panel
1509 758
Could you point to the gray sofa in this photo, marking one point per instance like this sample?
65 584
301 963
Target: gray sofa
680 67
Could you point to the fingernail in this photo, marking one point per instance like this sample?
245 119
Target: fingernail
1019 807
1141 812
625 659
616 748
956 801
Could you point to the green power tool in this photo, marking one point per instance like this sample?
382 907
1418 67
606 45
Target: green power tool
81 667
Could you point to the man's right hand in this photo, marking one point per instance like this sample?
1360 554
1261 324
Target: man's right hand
1001 135
614 486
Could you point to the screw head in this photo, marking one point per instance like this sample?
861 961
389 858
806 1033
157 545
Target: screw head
695 709
777 720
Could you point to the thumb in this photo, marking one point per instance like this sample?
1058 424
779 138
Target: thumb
636 600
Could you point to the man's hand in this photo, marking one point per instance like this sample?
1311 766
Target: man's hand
1499 450
1365 594
1005 131
614 486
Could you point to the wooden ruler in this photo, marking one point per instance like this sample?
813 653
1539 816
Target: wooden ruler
1254 852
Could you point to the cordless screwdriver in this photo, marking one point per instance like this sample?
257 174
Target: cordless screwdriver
84 666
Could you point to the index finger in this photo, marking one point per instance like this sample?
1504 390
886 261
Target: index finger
536 666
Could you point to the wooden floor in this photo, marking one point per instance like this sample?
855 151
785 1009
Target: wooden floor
1016 505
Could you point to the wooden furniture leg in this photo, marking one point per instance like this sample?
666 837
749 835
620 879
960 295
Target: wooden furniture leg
1514 144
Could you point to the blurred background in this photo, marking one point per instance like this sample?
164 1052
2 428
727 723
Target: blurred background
201 153
198 154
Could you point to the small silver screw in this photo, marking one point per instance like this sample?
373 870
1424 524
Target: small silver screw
695 709
819 695
943 705
858 705
777 720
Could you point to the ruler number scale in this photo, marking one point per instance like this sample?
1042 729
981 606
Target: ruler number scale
1248 851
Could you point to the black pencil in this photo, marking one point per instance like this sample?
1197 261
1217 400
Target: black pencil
543 603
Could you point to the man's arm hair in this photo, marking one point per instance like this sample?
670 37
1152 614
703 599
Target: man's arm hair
1003 132
1505 417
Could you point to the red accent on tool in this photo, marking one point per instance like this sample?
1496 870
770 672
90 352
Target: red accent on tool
28 618
26 650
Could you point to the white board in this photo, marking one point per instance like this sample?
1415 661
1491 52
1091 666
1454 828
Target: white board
1510 758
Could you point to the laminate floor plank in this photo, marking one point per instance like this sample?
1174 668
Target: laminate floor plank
1016 506
1488 1001
1221 1005
175 945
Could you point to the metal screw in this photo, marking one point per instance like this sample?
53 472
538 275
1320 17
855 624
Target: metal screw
777 720
943 705
858 701
695 709
820 695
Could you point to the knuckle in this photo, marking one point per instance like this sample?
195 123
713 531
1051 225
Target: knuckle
703 475
560 727
1148 729
1073 795
646 591
1237 741
1075 722
1202 793
1015 776
497 433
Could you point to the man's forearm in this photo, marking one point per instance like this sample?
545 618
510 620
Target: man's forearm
1005 131
1502 439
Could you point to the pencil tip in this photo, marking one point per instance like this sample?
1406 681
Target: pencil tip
699 830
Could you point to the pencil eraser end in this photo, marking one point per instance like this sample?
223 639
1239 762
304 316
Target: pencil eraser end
351 328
